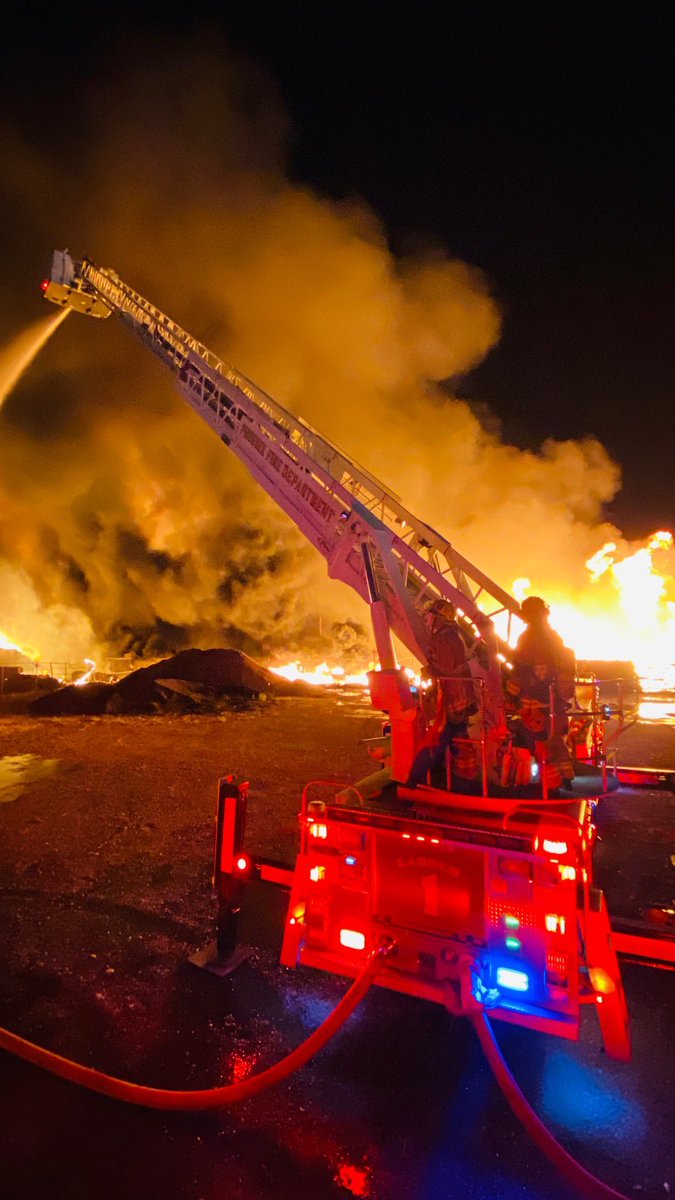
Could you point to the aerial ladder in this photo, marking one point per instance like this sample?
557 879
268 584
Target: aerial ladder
397 563
489 899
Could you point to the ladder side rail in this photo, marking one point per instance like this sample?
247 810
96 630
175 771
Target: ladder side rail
236 418
314 505
124 299
141 314
320 506
422 574
268 458
402 597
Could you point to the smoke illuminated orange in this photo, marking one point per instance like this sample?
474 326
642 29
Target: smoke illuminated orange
626 614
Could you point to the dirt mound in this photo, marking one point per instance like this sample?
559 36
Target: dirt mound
194 680
71 701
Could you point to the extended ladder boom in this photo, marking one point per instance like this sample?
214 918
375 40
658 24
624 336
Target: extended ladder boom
369 539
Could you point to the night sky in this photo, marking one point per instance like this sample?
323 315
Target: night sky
532 141
536 142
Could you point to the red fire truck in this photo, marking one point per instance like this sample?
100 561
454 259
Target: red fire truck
480 886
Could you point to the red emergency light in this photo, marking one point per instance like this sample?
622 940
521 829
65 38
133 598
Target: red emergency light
489 909
485 908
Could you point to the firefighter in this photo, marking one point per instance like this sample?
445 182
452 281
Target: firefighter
540 688
448 697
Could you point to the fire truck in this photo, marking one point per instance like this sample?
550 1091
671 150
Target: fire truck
481 888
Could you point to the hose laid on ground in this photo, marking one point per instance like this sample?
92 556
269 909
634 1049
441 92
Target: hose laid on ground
208 1098
578 1176
197 1101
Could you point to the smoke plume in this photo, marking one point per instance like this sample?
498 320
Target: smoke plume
117 505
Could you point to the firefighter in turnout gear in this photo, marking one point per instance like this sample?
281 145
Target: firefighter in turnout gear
448 696
539 691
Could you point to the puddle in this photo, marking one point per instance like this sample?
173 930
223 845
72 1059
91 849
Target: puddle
18 770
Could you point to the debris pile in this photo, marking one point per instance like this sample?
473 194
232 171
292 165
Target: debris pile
191 681
14 680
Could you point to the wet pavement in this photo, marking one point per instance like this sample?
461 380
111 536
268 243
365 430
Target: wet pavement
400 1106
17 771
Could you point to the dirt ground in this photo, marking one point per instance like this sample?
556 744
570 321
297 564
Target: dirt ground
105 858
105 863
128 809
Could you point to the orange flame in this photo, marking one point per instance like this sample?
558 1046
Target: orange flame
322 676
626 614
6 643
86 676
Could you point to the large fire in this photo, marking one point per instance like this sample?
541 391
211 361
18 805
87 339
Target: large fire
6 643
631 616
626 614
323 675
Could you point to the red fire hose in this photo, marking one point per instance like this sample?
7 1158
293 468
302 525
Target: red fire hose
208 1098
196 1101
578 1176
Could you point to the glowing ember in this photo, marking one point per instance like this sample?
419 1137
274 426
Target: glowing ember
241 1065
354 1178
322 675
325 676
87 674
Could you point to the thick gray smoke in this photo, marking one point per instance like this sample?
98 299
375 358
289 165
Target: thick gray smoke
117 505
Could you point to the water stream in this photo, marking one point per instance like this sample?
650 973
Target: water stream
19 354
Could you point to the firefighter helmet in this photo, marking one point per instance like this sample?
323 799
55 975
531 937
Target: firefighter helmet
534 608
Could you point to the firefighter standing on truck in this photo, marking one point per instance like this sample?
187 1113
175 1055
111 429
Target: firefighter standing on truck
448 697
539 690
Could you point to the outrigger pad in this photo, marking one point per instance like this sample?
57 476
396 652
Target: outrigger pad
209 959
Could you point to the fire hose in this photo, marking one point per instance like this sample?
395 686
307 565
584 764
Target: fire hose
217 1097
578 1176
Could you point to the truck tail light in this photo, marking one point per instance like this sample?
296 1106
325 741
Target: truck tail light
352 939
551 847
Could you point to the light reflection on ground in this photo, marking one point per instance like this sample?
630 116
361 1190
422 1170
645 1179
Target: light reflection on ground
18 770
590 1104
